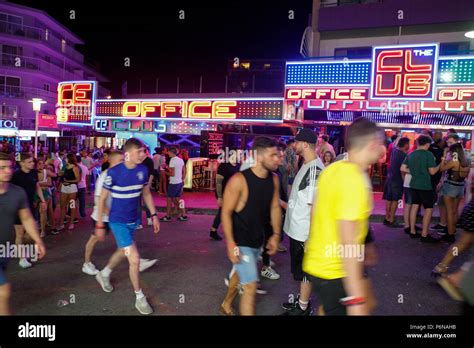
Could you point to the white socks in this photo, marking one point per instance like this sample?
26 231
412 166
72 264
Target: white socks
139 294
106 271
303 305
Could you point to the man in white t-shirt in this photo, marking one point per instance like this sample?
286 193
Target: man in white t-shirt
298 217
81 187
177 173
115 157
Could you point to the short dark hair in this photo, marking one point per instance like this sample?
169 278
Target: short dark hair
133 143
263 143
424 139
403 142
394 137
71 158
453 136
78 158
325 137
291 141
452 131
173 149
25 156
358 131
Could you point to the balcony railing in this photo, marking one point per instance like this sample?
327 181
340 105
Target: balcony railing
39 35
331 3
17 92
37 64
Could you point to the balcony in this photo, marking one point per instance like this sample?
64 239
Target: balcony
38 35
17 92
36 64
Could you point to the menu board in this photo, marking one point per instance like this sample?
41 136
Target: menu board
212 144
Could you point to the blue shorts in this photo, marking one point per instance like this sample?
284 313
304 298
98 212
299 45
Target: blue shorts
452 190
3 269
247 268
174 190
392 191
123 233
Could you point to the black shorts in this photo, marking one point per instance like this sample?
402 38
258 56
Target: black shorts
329 292
423 197
296 256
106 224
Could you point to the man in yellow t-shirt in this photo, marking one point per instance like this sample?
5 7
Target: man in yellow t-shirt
335 248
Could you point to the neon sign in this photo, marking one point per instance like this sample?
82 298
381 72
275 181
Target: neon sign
215 110
404 72
76 102
130 125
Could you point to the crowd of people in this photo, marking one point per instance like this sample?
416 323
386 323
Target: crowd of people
322 202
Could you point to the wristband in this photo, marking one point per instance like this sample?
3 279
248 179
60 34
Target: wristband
351 301
100 227
154 214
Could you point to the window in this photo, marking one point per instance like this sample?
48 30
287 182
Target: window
46 87
454 48
353 52
245 65
63 46
11 24
10 53
46 35
9 111
267 66
9 86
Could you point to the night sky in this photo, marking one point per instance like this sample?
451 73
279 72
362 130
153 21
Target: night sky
159 44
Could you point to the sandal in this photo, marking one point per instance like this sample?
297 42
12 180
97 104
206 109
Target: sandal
439 270
227 313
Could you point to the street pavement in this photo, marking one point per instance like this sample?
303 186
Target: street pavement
189 276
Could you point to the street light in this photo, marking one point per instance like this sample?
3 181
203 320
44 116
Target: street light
36 108
469 34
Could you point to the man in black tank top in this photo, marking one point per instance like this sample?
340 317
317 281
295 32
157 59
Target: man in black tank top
251 199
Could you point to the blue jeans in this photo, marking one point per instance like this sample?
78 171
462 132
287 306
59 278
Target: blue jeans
81 196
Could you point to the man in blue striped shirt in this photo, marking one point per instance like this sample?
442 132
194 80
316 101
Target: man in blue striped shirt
126 183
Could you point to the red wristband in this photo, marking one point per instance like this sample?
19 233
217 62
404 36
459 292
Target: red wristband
351 301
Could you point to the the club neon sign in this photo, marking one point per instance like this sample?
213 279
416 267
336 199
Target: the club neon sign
404 72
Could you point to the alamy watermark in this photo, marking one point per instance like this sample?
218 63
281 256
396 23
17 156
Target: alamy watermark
227 155
23 251
344 251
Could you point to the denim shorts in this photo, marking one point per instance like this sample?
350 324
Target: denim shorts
452 190
247 268
175 190
123 233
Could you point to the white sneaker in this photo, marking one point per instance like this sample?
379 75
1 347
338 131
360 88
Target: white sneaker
104 282
89 268
149 221
269 273
139 227
60 228
25 264
143 306
145 264
43 234
71 227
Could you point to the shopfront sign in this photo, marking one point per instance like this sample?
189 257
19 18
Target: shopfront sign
8 124
76 102
214 110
